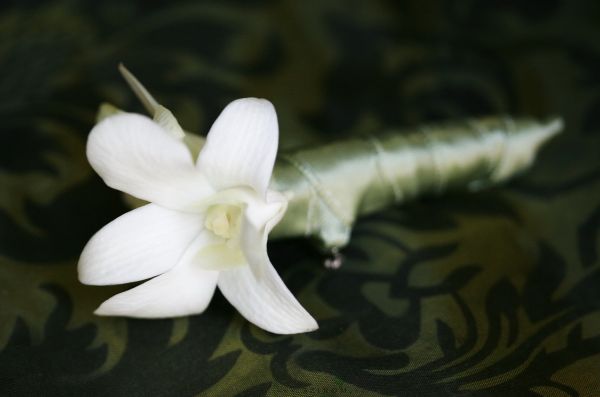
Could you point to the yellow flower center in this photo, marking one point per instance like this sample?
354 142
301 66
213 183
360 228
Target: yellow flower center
223 220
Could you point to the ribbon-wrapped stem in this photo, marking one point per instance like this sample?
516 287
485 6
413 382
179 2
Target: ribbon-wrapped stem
331 185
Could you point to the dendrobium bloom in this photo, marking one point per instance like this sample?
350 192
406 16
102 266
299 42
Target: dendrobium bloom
206 225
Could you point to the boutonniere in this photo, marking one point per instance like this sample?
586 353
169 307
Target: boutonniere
208 219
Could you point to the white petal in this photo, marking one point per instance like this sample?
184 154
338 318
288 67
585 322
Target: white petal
259 219
133 154
173 294
184 290
139 244
253 243
241 146
265 214
265 302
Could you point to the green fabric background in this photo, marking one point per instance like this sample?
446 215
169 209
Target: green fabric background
488 294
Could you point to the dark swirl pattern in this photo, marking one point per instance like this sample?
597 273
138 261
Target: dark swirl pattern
488 294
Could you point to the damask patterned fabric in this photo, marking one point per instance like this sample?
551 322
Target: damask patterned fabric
488 294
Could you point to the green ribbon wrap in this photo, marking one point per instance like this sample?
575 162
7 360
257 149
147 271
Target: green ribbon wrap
332 185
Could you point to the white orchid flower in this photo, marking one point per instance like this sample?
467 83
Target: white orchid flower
206 225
